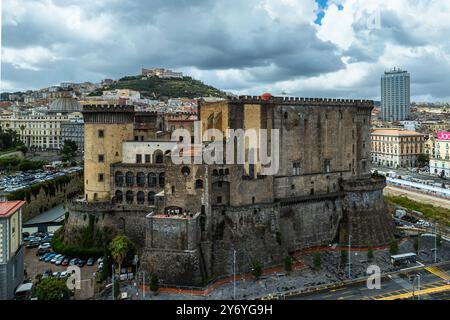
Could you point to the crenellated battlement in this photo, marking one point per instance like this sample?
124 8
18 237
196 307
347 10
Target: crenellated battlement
95 108
302 101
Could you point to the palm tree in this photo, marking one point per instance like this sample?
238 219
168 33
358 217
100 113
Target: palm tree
120 246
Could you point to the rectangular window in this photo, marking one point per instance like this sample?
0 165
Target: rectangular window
101 158
327 166
296 168
147 158
101 133
139 158
101 177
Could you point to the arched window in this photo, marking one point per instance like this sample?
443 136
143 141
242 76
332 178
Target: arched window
215 173
227 172
158 156
130 179
141 179
221 173
151 198
162 179
119 196
152 180
118 179
130 197
140 197
199 184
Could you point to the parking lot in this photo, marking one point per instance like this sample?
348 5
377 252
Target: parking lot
34 267
22 180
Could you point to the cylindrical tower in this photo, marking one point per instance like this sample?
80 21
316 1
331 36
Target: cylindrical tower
106 127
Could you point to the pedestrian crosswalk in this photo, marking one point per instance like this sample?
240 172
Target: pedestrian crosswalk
439 273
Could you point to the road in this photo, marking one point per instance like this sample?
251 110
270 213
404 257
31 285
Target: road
434 285
417 196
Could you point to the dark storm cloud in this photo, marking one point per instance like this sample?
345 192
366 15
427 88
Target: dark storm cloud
207 35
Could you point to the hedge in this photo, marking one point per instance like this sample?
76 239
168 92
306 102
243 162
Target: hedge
75 251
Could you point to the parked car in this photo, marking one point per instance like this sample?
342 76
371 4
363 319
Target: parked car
56 274
100 260
63 274
59 261
81 263
73 262
65 262
33 244
42 258
50 257
45 245
55 258
42 251
90 262
47 274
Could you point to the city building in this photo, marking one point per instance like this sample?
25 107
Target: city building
187 219
73 130
395 95
162 73
43 131
396 148
11 248
440 157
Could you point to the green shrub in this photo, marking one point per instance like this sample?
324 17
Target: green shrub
317 260
393 247
288 263
257 268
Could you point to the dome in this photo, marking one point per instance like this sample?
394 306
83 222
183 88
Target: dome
65 105
266 96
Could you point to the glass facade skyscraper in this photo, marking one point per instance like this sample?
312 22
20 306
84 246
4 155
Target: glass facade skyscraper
395 95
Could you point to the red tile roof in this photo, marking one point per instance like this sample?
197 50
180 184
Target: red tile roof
8 208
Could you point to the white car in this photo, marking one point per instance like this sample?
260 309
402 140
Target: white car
56 258
46 245
64 274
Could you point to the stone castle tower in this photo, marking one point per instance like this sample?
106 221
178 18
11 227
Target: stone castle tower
106 128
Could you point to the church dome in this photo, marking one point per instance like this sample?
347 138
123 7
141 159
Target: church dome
65 105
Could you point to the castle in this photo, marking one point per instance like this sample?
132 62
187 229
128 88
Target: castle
191 222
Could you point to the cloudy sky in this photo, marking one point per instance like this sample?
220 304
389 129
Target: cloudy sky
311 48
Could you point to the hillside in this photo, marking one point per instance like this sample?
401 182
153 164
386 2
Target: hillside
155 88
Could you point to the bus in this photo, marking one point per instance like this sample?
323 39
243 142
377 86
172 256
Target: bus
403 259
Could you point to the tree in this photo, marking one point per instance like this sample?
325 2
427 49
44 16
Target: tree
69 150
288 263
154 283
120 247
317 260
257 268
370 254
52 289
423 160
393 247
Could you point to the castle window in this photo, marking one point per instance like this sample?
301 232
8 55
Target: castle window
199 184
312 192
253 200
130 197
152 180
101 177
221 172
215 173
162 179
185 171
130 179
119 196
140 197
158 157
327 166
219 199
296 168
286 115
101 133
227 172
101 158
141 179
173 189
139 158
151 198
147 158
118 179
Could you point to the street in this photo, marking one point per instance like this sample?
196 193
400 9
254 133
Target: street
433 285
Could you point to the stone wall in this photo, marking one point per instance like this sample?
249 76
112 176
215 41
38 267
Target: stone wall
45 201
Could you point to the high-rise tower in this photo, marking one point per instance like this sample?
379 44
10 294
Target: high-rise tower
395 95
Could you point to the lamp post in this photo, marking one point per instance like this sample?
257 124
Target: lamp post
349 256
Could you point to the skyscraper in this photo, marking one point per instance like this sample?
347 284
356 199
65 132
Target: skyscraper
395 95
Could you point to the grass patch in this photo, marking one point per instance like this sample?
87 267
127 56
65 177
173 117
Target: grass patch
429 211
